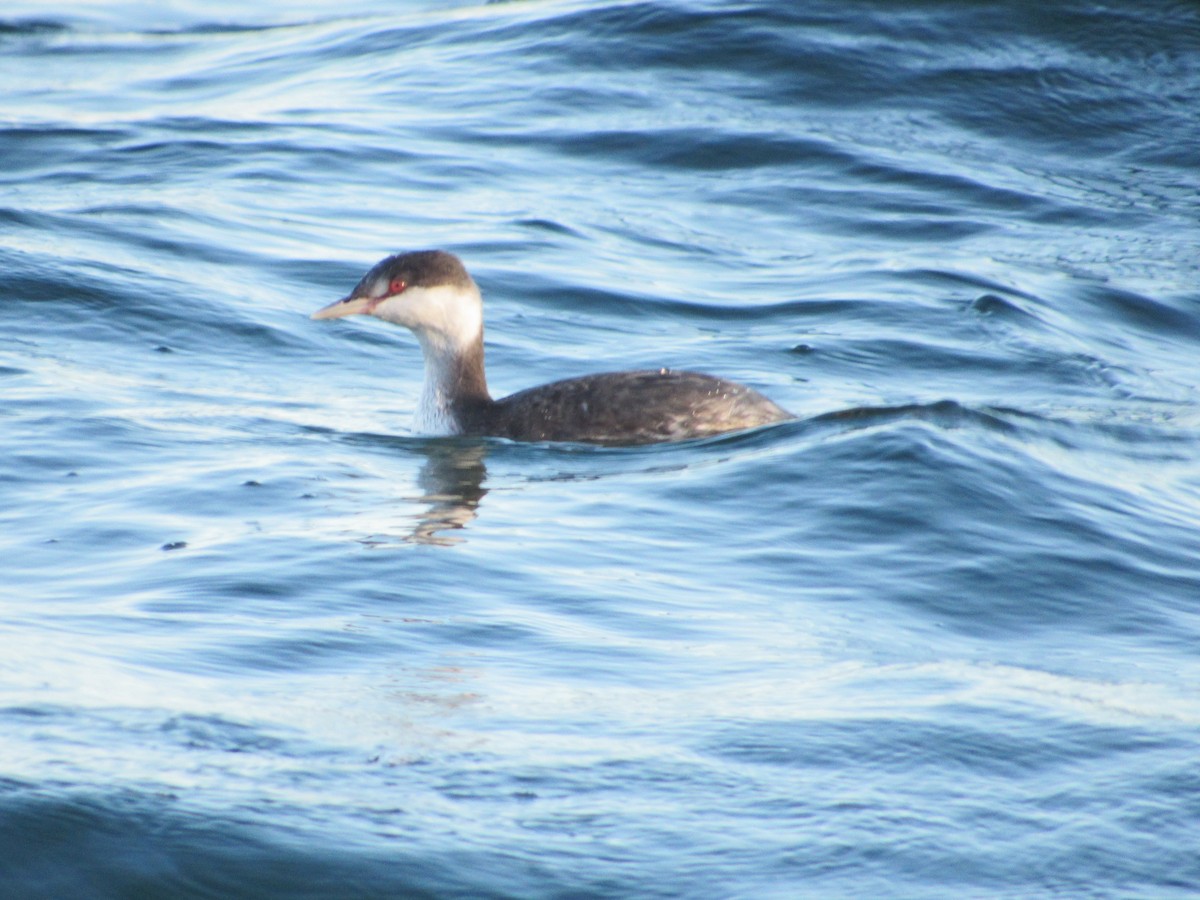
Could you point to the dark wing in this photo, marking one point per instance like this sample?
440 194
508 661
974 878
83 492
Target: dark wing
631 408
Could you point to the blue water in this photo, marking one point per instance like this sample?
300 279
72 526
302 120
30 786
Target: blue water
938 638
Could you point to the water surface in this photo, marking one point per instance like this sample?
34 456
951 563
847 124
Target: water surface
936 638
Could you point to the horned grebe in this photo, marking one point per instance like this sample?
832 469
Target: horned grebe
430 293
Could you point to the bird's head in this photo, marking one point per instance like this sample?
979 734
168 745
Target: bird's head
426 291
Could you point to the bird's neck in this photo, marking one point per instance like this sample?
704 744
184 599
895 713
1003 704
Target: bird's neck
455 382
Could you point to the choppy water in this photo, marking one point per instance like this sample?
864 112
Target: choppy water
259 640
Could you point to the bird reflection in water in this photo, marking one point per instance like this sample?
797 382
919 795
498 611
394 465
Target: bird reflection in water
451 480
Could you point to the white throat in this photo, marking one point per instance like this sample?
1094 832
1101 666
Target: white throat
448 322
433 415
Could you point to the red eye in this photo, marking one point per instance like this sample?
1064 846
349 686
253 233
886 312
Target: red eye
397 286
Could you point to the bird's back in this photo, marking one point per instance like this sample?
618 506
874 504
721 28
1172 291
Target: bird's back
639 407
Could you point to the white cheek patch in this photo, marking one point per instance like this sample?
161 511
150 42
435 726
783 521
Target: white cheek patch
453 313
445 315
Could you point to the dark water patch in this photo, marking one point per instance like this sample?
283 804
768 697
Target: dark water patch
1160 441
203 128
1019 756
193 732
1016 748
29 278
42 150
162 845
756 38
232 157
236 29
993 305
97 301
31 26
381 41
309 653
695 149
909 228
962 191
983 541
971 367
1033 103
1147 314
628 305
149 237
958 280
549 226
157 844
945 413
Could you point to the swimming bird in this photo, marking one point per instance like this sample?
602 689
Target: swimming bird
430 293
